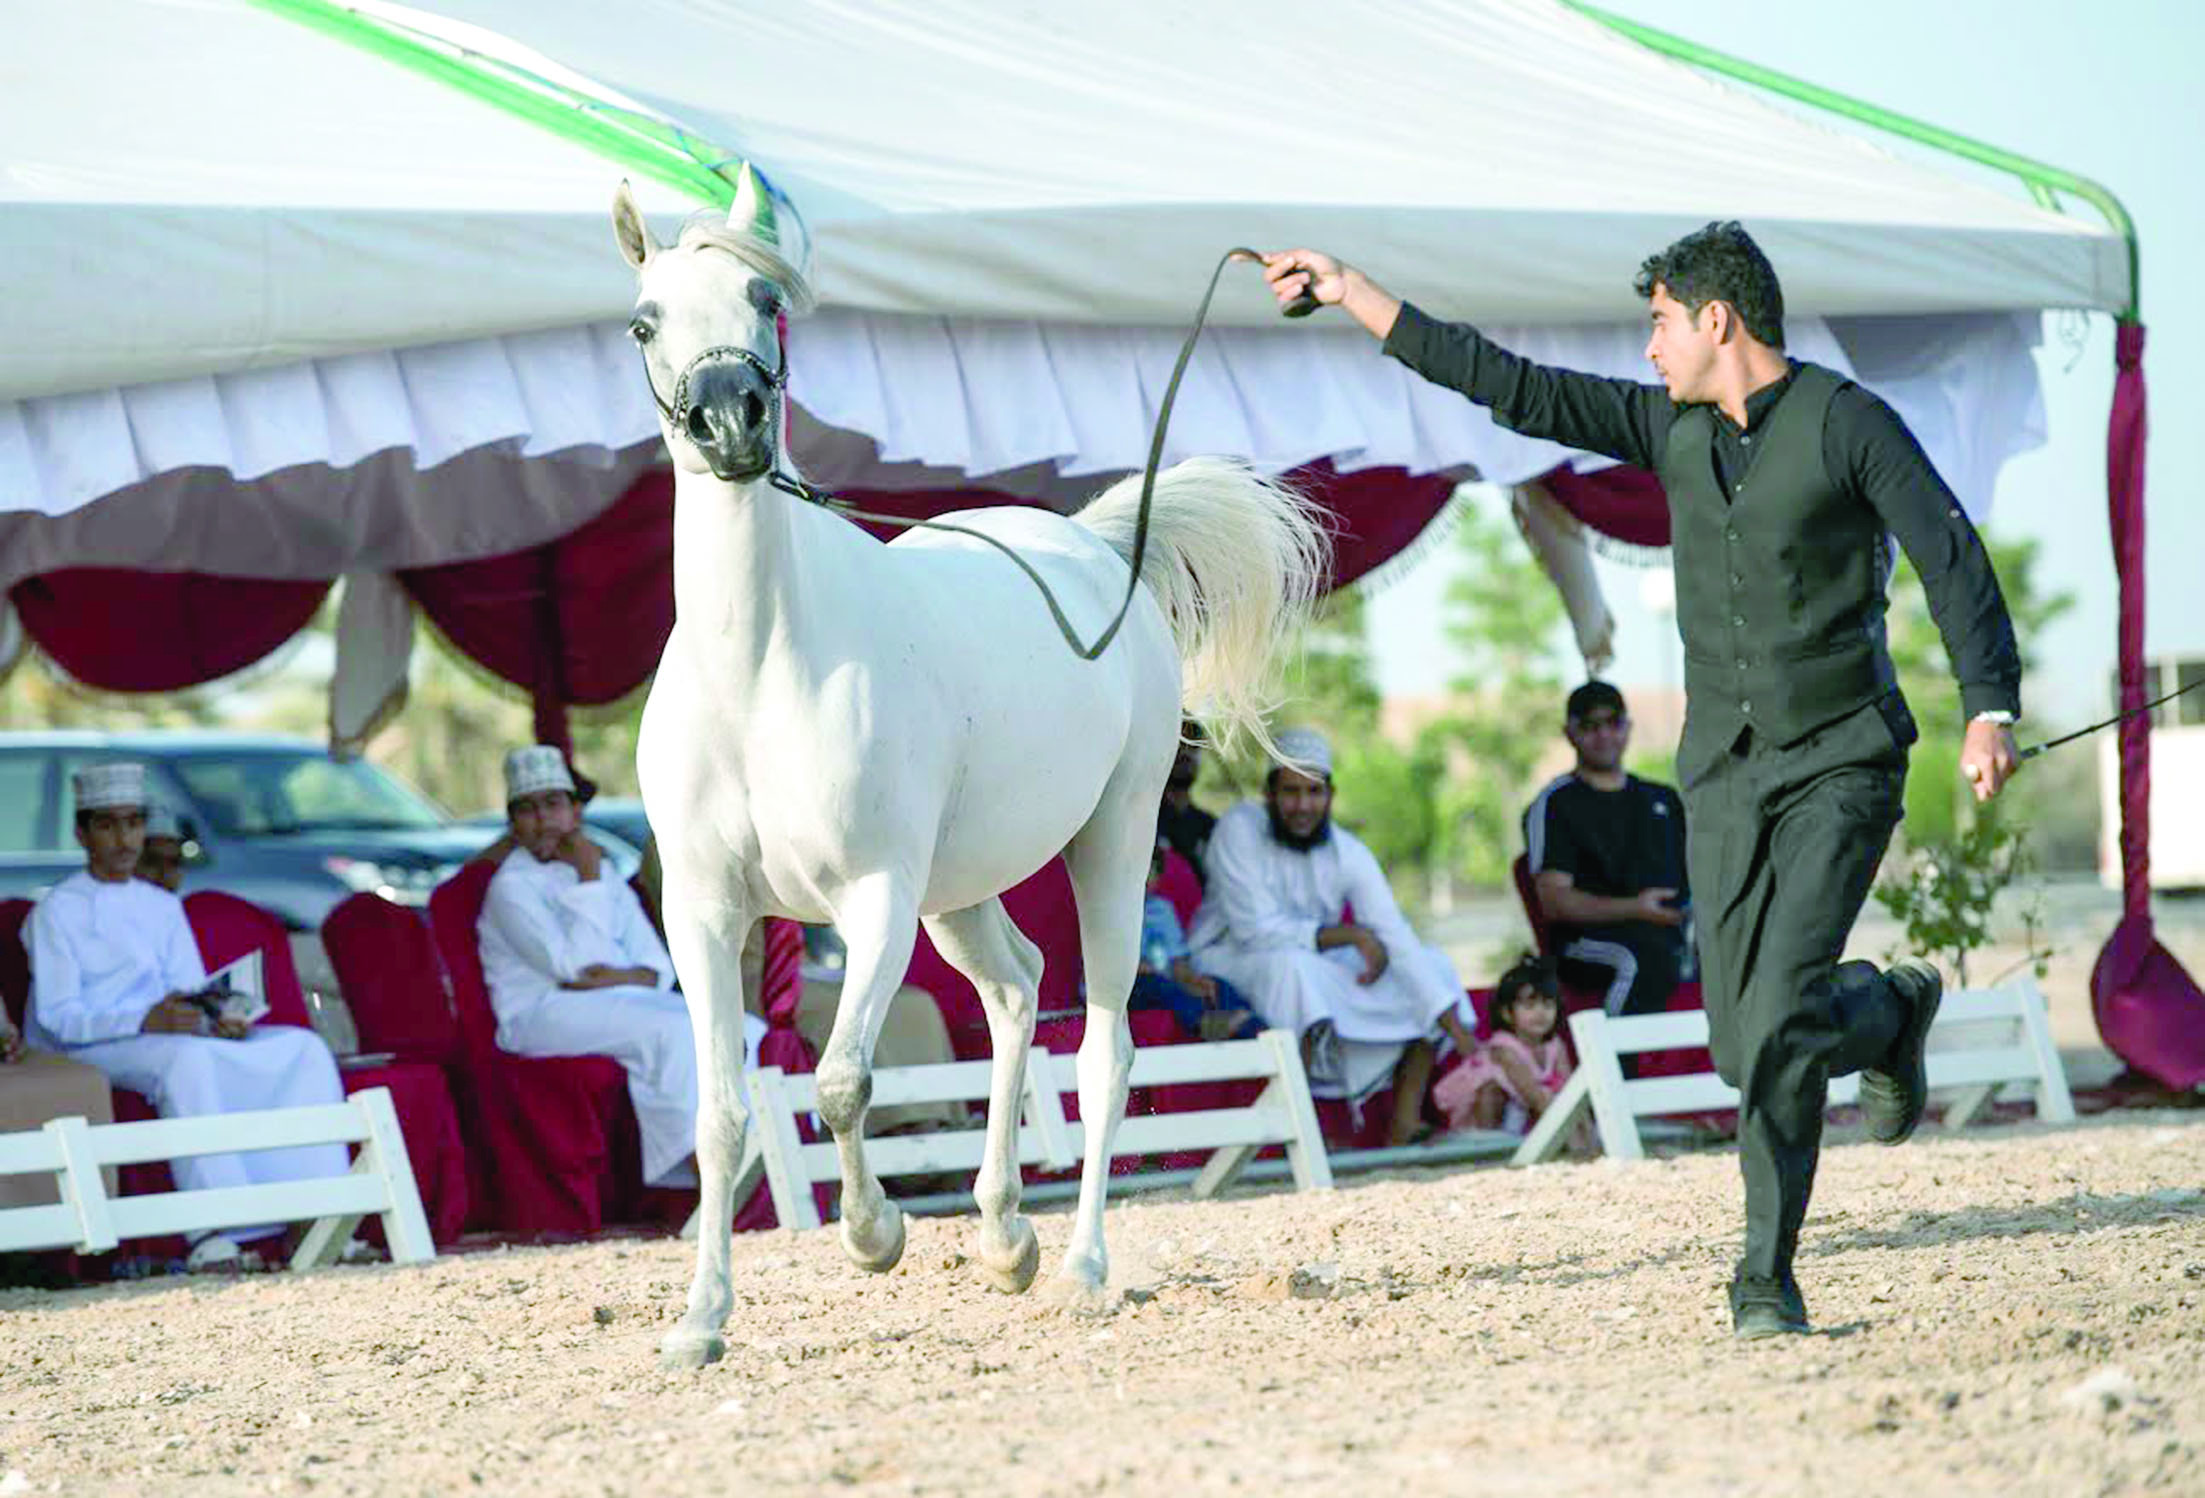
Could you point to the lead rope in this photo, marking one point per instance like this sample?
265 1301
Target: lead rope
801 490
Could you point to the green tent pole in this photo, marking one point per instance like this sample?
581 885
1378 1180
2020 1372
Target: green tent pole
2043 180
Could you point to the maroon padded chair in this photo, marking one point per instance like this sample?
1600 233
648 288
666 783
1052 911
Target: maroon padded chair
15 960
545 1134
226 928
393 980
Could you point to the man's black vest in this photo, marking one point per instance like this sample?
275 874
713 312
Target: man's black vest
1779 583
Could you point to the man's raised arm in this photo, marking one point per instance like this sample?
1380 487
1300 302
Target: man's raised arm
1621 419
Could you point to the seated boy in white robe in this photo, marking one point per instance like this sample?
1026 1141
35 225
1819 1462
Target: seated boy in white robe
575 968
1364 994
113 965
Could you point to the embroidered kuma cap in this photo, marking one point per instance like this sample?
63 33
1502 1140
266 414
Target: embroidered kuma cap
1305 750
539 767
161 822
104 787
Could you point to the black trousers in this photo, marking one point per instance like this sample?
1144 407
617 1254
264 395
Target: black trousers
1784 845
1634 963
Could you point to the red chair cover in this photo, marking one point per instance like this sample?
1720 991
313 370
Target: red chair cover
1180 886
226 928
15 961
387 968
539 1129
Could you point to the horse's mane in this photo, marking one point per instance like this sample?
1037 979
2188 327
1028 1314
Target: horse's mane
709 229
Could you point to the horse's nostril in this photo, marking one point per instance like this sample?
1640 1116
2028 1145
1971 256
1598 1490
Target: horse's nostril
754 412
700 426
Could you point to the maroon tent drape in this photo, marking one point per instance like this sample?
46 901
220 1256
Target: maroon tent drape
2150 1012
1623 503
123 630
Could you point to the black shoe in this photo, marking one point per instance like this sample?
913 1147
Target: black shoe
1892 1096
1766 1308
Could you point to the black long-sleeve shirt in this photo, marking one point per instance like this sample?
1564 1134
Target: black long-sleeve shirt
1866 449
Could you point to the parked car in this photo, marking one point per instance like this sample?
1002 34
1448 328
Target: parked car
274 820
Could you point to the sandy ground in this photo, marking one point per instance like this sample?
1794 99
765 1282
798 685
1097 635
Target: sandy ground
2015 1311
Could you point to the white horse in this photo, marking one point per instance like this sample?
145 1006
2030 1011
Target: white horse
880 736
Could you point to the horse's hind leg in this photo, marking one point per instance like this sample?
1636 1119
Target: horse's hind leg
879 922
1109 861
981 942
707 947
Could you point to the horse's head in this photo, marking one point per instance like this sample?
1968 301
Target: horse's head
707 318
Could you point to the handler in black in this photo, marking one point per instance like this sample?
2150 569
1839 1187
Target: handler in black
1784 480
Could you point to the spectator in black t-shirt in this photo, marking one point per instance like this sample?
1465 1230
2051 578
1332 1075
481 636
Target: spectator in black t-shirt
1607 857
1179 821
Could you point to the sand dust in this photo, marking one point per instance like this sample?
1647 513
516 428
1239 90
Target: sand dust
2013 1311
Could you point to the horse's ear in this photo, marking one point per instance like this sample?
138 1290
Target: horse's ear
636 243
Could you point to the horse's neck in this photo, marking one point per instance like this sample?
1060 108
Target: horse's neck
736 567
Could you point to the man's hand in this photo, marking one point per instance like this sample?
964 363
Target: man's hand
1201 985
600 975
1375 959
174 1015
11 1042
1988 759
1291 272
1656 905
584 856
230 1028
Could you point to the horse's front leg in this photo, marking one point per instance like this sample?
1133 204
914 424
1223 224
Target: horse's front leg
878 920
706 940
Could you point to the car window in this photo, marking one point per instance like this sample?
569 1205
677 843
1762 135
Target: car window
261 794
27 822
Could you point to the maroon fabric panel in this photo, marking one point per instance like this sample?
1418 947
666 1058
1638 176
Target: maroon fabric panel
2125 437
583 618
123 630
1042 908
1622 502
2150 1012
1375 512
388 972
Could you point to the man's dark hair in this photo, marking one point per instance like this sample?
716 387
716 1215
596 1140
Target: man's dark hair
1720 263
1590 697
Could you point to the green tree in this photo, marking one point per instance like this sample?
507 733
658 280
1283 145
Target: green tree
1504 620
1935 794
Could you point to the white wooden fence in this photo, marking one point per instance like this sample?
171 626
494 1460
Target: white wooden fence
1982 1041
1280 1114
89 1220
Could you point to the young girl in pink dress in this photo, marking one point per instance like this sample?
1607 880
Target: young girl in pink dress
1515 1074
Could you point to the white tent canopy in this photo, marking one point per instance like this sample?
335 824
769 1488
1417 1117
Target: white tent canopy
237 246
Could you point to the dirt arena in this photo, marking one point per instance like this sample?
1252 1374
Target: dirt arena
2016 1311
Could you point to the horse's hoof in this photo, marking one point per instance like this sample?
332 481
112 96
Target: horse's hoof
686 1347
1073 1296
887 1233
1014 1272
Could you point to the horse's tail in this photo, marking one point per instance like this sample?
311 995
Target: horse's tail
1235 560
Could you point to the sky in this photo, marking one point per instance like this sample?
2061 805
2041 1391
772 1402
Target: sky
2108 90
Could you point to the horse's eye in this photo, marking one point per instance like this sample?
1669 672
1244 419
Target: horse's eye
640 331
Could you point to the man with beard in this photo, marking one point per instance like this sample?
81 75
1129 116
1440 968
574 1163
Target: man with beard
1179 822
1607 856
1298 916
575 968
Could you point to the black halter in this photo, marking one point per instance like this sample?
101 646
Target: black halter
777 381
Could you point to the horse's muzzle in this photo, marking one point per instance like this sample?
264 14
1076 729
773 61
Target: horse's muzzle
730 419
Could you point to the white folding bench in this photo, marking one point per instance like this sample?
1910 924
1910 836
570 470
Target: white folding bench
1983 1040
1281 1114
89 1220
